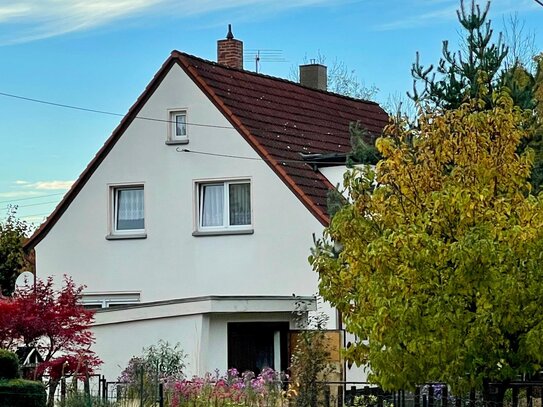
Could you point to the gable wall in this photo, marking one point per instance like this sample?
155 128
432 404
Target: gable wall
171 263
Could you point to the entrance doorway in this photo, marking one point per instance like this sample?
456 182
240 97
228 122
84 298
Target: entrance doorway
256 345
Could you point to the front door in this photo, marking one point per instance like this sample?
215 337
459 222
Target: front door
256 345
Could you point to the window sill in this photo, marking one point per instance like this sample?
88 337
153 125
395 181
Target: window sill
176 142
200 233
127 236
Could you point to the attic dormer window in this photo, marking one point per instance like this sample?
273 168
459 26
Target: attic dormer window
178 131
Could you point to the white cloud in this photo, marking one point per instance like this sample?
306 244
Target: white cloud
49 185
35 219
12 11
18 194
432 17
27 189
37 19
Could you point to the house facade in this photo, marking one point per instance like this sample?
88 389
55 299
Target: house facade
194 221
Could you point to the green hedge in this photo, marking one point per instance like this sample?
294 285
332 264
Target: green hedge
9 365
22 393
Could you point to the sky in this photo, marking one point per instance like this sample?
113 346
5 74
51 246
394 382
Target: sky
100 55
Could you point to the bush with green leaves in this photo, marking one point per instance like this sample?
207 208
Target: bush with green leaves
16 392
84 400
158 363
310 361
22 393
9 365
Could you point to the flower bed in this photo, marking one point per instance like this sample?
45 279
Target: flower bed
229 390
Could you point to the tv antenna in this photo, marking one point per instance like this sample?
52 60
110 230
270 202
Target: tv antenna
264 55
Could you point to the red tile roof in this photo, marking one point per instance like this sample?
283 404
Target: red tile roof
278 118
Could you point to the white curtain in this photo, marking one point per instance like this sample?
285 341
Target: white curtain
130 211
180 125
240 204
212 211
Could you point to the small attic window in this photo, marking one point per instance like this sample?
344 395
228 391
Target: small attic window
178 131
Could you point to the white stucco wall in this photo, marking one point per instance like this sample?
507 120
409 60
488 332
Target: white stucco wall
117 343
171 263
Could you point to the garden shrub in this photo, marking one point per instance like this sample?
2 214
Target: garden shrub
310 361
160 363
22 393
78 399
9 365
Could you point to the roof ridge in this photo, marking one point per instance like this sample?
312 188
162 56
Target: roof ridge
175 53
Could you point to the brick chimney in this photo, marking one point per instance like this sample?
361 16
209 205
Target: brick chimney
313 76
230 51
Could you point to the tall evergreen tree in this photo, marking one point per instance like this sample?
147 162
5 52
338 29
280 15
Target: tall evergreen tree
467 73
477 71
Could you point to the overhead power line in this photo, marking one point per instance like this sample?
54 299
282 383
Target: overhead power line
84 109
32 197
36 204
286 125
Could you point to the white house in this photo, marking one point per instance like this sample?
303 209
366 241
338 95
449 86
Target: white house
194 221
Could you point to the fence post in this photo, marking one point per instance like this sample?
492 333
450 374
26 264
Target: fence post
141 385
352 394
431 395
403 398
340 396
472 398
444 396
161 394
327 396
515 396
63 391
417 397
103 387
529 392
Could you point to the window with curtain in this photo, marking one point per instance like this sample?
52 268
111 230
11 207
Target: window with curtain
178 130
225 205
180 125
129 209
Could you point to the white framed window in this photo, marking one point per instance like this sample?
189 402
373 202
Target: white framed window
127 210
224 206
178 129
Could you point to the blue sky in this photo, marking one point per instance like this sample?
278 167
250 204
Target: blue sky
100 54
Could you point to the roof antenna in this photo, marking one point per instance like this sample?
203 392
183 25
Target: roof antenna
229 36
264 55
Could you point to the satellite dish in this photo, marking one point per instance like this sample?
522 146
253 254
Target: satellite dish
26 278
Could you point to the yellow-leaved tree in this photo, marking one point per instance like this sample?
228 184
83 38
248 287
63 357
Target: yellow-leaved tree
440 264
